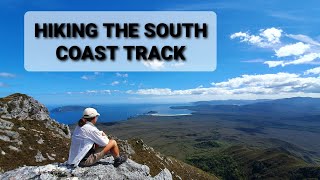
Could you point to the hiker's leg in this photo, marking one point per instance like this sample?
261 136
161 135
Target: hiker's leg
113 147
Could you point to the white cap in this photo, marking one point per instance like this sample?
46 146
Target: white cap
90 113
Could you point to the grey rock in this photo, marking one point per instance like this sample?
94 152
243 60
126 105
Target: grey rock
23 107
5 124
14 148
5 138
39 157
104 169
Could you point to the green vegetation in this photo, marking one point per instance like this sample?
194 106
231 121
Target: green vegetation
221 165
229 145
156 162
207 144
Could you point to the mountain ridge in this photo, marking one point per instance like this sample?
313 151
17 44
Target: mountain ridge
37 147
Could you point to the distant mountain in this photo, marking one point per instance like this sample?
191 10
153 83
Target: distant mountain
68 109
295 106
228 102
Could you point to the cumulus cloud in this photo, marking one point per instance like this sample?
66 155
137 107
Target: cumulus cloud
292 49
266 38
312 71
265 84
7 75
125 75
115 83
305 51
155 65
272 35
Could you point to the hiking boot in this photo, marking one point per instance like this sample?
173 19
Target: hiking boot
121 159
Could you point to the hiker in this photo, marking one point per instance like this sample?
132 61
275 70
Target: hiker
89 145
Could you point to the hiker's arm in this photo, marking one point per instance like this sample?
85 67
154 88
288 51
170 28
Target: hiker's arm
99 139
103 134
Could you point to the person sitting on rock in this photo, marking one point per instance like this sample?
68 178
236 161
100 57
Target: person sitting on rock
89 145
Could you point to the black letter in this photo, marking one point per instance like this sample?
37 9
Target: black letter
78 53
133 30
99 50
149 28
141 51
199 30
129 51
163 53
109 27
87 53
154 53
112 52
58 53
91 30
179 53
38 30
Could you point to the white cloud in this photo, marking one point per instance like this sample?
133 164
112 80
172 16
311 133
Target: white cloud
265 84
104 91
246 37
91 77
272 64
292 49
253 61
84 77
7 75
313 71
122 75
179 64
266 38
155 65
305 59
305 51
115 83
303 38
272 34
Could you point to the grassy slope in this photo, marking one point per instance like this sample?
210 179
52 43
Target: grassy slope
26 156
157 162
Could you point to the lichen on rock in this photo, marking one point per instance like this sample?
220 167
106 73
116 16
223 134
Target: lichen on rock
104 169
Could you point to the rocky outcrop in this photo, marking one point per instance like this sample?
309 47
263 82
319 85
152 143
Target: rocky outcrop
23 107
102 170
28 136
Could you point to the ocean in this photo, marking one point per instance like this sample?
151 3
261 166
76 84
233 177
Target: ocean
120 112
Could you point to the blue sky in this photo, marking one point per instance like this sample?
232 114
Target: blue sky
266 49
